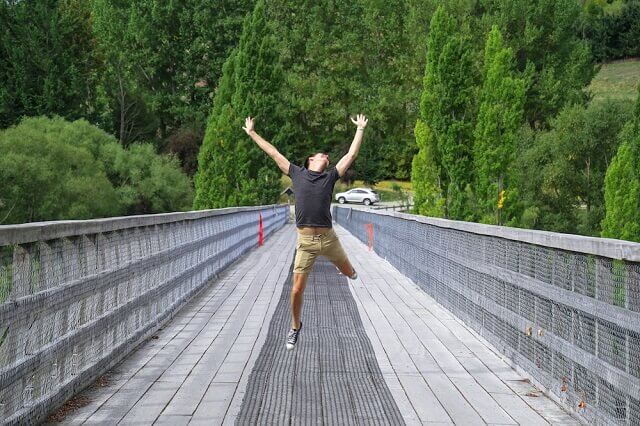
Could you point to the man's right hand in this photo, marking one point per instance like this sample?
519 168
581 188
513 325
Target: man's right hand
248 125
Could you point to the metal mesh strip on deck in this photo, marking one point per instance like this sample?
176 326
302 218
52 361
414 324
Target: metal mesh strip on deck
332 376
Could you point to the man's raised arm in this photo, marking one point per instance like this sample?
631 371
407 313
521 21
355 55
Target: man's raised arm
346 161
271 150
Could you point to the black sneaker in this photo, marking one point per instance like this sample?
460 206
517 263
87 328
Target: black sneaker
292 337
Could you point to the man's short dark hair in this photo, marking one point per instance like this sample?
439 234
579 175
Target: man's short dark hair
306 161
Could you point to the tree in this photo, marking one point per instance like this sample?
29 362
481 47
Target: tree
125 113
232 169
448 109
163 60
324 50
425 178
622 185
560 173
612 34
340 61
150 183
53 169
499 118
48 177
48 64
544 36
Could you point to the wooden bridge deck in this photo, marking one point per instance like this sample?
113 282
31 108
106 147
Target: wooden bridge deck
197 369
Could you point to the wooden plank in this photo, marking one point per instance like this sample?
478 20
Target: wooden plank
399 395
497 391
185 339
270 303
460 410
425 404
215 364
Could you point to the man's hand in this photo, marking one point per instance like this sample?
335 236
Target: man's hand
248 125
360 121
271 150
346 161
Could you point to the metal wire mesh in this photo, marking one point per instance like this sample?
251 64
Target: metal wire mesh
568 317
75 297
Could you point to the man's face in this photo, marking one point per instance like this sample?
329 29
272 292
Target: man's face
320 159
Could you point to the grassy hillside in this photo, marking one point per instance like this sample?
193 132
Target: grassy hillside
617 80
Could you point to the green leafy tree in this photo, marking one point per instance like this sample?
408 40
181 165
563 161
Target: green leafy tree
48 64
45 175
53 169
326 78
232 169
545 38
447 109
163 61
622 185
560 173
125 113
150 183
612 34
499 118
394 94
425 179
340 61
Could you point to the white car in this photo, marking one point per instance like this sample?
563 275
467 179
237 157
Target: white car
358 195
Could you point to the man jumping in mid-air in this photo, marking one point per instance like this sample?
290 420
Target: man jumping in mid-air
313 186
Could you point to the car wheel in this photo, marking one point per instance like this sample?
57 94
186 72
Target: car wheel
367 201
341 200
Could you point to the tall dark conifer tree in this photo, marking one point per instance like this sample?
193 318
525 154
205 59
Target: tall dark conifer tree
232 169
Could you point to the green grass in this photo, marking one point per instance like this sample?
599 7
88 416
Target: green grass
617 80
614 7
387 184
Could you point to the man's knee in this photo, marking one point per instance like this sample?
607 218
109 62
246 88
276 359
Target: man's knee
299 281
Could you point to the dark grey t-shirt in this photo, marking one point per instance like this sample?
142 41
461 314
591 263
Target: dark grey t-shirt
313 192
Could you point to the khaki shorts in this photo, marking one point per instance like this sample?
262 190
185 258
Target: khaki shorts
309 247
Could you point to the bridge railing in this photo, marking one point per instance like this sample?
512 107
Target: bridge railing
77 296
563 308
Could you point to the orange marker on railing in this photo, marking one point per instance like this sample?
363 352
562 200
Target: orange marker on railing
369 227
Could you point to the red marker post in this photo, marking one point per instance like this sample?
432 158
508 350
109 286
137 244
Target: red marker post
260 231
369 228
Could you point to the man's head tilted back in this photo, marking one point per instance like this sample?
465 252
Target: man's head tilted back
317 162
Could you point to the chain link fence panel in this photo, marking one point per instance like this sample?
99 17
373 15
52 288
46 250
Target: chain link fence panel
564 308
78 296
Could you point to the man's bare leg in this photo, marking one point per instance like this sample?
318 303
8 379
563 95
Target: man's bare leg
346 268
297 291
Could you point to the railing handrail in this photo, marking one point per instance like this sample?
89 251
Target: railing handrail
38 231
599 246
77 296
556 305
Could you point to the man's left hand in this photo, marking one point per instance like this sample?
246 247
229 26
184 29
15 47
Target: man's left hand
360 121
248 125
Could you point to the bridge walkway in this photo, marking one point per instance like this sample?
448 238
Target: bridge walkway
374 350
